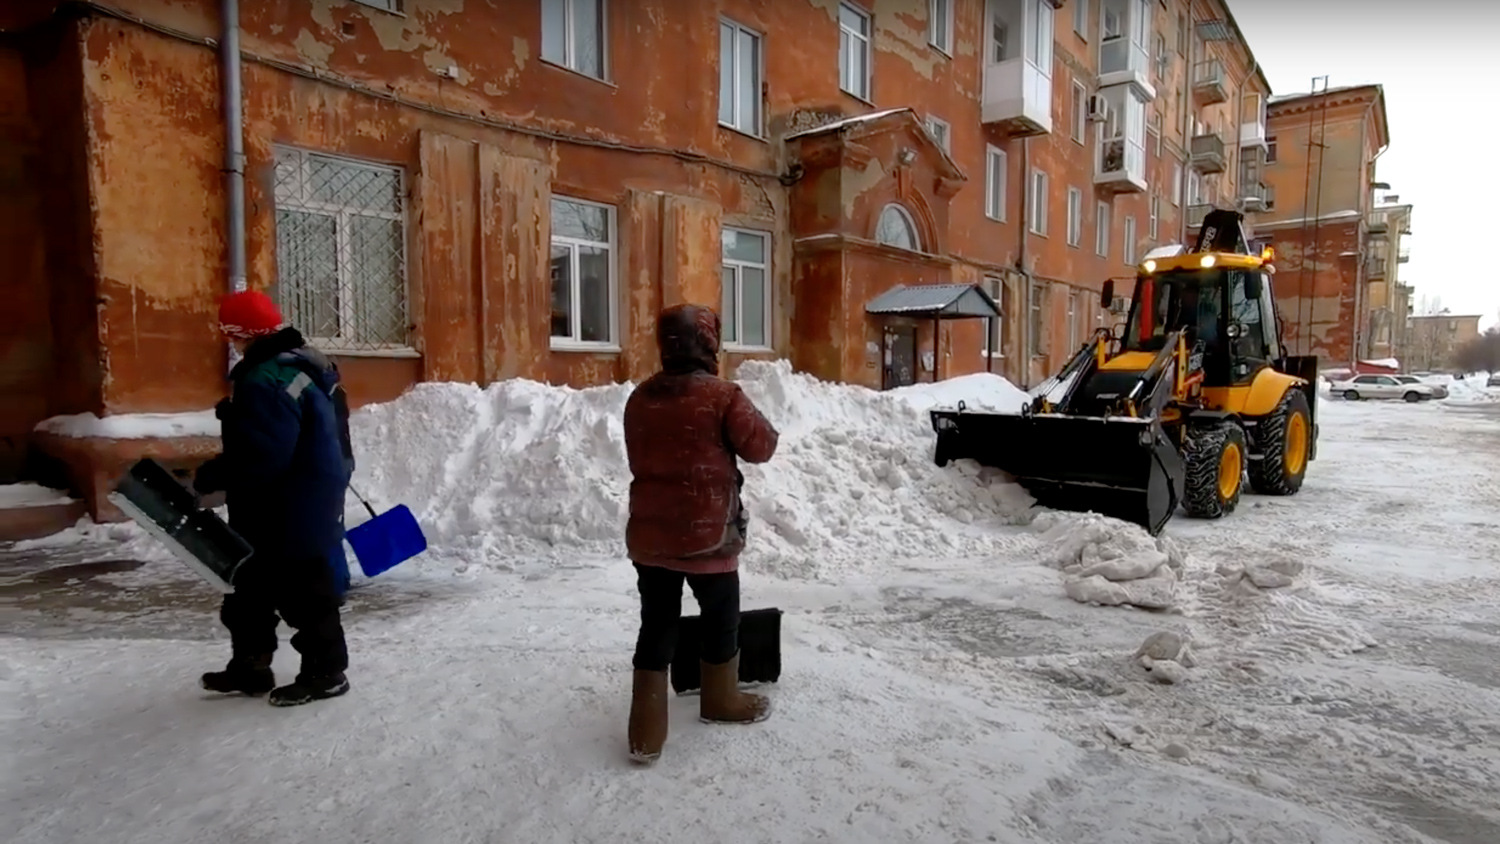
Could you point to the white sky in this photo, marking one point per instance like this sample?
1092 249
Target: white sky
1439 63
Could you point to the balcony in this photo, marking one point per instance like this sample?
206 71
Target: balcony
1017 98
1253 134
1208 155
1374 268
1253 196
1377 223
1126 62
1403 255
1120 166
1197 213
1209 85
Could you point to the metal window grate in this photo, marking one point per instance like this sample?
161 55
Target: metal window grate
341 250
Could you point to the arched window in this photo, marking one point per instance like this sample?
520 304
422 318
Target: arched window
896 228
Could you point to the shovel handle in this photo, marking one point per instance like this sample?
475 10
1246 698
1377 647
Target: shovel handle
362 500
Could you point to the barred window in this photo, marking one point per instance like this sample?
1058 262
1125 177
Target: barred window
341 250
583 279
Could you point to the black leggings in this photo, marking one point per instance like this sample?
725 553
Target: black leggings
661 607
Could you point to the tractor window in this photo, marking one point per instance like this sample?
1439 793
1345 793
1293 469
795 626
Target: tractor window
1246 312
1173 301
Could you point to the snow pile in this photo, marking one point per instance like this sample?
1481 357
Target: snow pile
1110 562
133 426
531 469
1471 390
17 496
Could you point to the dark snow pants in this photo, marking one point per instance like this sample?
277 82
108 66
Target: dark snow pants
304 594
661 608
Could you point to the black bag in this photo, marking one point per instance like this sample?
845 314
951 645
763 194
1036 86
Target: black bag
760 650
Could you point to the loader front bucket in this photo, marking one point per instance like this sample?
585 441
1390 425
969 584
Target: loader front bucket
1119 467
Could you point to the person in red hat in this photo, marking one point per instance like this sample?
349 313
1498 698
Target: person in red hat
285 466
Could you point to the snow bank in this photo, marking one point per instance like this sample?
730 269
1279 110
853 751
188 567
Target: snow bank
527 468
133 426
1471 390
16 496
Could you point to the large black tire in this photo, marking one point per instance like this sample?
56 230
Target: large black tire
1273 473
1204 497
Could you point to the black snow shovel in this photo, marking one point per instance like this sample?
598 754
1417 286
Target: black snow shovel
153 499
760 650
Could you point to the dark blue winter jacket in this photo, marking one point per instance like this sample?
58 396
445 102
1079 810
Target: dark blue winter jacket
286 460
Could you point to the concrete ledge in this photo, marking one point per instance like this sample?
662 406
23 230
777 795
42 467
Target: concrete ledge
18 523
95 464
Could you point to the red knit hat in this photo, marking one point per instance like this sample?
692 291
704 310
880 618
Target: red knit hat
249 314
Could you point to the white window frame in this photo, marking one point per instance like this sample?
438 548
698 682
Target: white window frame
738 29
349 344
1075 217
1038 317
1080 113
1081 18
1130 237
739 291
941 132
994 343
1102 229
866 44
940 25
997 174
570 50
392 6
571 343
1177 184
1039 186
1153 223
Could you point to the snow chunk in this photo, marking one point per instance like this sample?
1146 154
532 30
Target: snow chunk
133 426
1110 562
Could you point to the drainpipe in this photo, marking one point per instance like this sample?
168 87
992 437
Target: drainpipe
234 147
1025 350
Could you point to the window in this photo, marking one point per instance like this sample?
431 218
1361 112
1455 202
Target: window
993 333
1130 239
1101 230
1182 34
1159 52
1075 217
1036 319
583 283
341 250
745 276
573 35
1270 198
940 132
854 51
1271 150
1153 222
1177 183
1080 110
739 78
1039 202
895 228
1122 147
1072 321
940 24
994 183
387 5
1081 18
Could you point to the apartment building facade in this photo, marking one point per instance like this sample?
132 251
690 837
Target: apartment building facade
1433 339
428 206
1387 301
1321 218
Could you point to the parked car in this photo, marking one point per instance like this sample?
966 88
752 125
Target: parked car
1383 387
1439 391
1494 380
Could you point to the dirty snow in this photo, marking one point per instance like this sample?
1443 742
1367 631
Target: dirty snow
1321 670
17 496
133 426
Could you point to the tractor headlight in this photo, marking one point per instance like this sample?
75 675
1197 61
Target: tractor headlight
1208 261
1149 266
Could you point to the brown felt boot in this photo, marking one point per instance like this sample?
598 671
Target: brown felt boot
648 716
721 700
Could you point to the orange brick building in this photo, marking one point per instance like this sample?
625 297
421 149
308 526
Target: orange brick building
437 191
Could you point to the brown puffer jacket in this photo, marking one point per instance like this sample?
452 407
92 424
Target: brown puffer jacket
684 427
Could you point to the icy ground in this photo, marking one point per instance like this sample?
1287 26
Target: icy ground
939 684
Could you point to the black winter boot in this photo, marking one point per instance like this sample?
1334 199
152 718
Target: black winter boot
243 675
306 689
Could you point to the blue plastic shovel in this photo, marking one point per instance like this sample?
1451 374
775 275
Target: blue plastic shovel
387 540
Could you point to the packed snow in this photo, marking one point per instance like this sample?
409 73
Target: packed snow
959 665
16 496
133 426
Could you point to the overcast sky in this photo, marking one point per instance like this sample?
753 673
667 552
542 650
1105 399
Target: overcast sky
1439 61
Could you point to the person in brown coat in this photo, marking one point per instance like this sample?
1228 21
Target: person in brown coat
685 430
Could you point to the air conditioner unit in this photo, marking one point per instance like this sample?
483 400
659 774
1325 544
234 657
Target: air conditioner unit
1119 305
1098 108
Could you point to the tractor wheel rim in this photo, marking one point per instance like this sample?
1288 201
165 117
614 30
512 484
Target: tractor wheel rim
1230 466
1296 443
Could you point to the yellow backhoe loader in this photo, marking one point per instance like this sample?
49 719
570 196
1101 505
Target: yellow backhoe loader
1195 395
